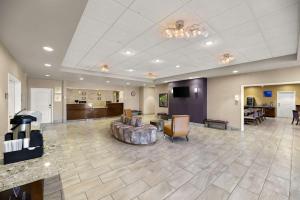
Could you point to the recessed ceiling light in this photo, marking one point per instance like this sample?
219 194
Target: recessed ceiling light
81 78
47 65
47 164
130 70
191 77
107 81
177 66
235 71
49 49
157 61
209 43
128 53
127 83
47 75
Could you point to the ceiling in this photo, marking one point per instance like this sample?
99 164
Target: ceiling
86 34
251 30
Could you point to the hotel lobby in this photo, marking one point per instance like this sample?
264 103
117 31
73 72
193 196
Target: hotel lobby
149 100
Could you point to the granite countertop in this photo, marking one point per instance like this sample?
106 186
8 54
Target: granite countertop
20 173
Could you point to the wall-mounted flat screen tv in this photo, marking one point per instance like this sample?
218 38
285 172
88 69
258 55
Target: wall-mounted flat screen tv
267 93
181 91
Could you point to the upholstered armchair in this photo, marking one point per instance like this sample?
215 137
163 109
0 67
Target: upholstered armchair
128 113
179 127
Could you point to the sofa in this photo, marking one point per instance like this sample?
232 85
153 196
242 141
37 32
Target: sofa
131 130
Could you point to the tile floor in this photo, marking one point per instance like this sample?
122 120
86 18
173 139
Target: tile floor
262 163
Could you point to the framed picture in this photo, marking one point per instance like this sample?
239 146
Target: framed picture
163 100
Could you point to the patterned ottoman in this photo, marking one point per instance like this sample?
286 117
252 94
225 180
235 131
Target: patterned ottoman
144 134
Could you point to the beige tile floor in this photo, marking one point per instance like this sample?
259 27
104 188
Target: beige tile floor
261 163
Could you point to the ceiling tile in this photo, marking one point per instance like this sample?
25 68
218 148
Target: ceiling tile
261 8
233 17
155 9
279 18
206 10
106 11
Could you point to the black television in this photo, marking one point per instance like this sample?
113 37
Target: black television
181 91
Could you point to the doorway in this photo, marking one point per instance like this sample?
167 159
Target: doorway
14 96
286 102
41 99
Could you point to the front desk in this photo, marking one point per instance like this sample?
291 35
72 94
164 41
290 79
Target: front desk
86 111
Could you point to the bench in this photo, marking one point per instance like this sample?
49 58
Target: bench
218 124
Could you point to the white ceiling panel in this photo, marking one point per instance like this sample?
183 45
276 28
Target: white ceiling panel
106 11
156 10
261 8
208 9
233 17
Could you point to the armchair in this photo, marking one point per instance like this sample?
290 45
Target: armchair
179 127
128 113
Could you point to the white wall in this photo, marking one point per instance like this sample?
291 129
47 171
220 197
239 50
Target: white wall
147 100
9 65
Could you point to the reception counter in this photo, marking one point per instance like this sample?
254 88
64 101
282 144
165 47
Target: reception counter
86 111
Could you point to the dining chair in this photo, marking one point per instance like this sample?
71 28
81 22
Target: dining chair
295 117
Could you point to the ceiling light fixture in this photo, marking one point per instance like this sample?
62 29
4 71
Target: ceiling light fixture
47 75
209 43
130 70
47 65
49 49
226 58
235 71
177 66
104 68
81 78
179 30
128 52
151 75
157 61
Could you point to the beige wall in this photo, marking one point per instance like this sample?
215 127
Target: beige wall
257 92
221 91
53 84
9 65
163 88
147 100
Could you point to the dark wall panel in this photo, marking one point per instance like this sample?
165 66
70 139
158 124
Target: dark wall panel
195 105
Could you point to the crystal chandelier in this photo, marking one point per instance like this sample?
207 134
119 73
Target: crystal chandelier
151 75
104 68
226 58
179 30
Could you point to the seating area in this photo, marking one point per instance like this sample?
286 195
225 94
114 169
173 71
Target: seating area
131 130
254 116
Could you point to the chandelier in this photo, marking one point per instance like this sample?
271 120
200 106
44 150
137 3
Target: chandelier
226 58
179 30
104 68
151 75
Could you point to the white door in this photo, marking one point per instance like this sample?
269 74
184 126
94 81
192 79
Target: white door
41 100
14 96
286 103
